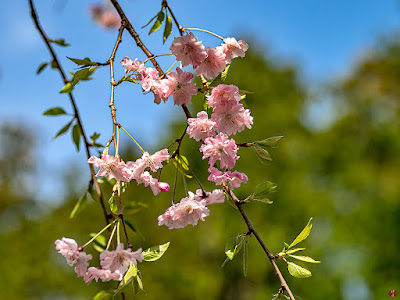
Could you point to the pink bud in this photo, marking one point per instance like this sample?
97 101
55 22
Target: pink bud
163 186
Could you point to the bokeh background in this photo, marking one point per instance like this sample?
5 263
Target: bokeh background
325 75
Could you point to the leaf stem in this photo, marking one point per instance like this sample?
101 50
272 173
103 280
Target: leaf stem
207 31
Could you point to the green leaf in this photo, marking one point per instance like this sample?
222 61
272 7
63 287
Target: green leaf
64 129
261 153
82 75
157 24
128 78
271 142
130 225
79 206
234 245
82 62
60 42
167 29
113 204
262 191
305 258
94 136
155 252
129 275
68 87
102 295
41 67
76 136
220 78
293 250
54 64
55 111
303 235
93 193
100 241
297 271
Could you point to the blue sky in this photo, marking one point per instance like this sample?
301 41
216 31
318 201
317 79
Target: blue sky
324 38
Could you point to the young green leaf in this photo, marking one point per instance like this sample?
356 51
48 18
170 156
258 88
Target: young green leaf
55 111
82 75
79 206
261 153
271 142
150 21
41 67
234 245
262 191
68 87
157 24
297 271
294 250
60 42
76 136
128 78
93 193
103 295
82 62
167 28
305 258
113 204
303 234
64 129
100 241
155 252
129 275
220 78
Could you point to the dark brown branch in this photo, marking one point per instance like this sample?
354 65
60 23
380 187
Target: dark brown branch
251 229
73 103
165 4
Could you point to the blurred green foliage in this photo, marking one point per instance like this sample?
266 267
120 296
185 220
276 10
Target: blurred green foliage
345 175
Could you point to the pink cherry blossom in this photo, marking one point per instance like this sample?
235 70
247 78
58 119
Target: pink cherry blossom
132 66
103 274
222 96
161 90
233 119
120 259
216 196
104 16
74 255
201 127
111 166
187 211
154 162
179 86
155 185
188 50
213 64
220 148
233 48
234 179
148 77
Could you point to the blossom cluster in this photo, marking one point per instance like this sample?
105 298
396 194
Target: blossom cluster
113 167
228 118
113 264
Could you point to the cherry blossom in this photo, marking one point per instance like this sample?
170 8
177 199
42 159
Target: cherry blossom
155 185
161 90
154 162
120 259
111 166
69 249
188 50
220 148
232 120
216 196
234 179
222 96
213 64
103 274
132 66
104 16
179 86
233 48
201 127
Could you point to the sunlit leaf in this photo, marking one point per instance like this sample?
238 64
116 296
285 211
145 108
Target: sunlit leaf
100 240
262 191
150 21
234 245
303 234
76 136
157 24
305 258
128 78
82 75
297 271
103 295
93 193
64 129
68 87
294 250
41 67
167 28
55 111
129 275
155 252
79 206
113 202
82 62
271 142
220 78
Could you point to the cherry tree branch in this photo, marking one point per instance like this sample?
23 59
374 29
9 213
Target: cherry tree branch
77 117
252 230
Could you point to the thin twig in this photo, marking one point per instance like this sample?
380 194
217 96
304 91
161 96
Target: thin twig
73 103
251 229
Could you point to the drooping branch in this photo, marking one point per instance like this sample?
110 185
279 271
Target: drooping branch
74 106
